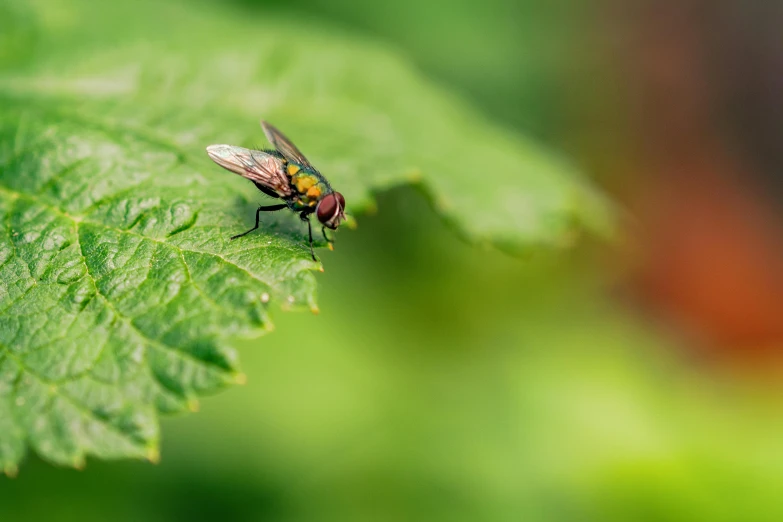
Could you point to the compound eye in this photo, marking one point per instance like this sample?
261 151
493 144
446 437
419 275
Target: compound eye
326 208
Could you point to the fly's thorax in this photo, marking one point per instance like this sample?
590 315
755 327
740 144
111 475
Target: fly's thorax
309 186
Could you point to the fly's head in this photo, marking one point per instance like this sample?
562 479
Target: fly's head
331 210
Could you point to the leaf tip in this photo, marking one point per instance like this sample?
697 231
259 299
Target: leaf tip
10 470
153 454
351 222
193 405
240 378
79 463
443 205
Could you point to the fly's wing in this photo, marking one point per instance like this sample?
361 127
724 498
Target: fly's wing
284 146
255 165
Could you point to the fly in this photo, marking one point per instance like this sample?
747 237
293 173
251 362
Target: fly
284 173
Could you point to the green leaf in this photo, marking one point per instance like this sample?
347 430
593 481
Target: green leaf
120 293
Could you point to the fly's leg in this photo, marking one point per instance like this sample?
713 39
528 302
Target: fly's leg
329 241
305 217
269 208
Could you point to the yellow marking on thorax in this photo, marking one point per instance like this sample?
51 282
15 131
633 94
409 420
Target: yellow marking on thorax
292 169
313 192
304 183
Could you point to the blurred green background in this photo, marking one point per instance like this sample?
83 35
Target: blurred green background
444 382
